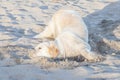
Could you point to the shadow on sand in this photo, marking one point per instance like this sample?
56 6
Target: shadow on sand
104 29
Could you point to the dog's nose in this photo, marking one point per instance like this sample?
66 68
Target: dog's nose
39 48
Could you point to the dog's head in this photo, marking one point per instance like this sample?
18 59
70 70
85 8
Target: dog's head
46 49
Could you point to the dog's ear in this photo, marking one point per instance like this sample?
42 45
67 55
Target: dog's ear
53 51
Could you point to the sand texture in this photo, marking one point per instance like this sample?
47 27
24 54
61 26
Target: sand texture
21 20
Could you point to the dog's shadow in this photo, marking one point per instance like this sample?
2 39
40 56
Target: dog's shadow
77 59
101 26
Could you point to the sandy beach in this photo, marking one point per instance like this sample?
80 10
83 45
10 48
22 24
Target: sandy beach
21 20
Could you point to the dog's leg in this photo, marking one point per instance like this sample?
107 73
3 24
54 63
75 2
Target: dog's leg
45 34
48 32
91 56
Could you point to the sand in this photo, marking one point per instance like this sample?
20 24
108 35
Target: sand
21 20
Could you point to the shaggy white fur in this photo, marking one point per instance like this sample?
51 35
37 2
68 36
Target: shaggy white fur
70 36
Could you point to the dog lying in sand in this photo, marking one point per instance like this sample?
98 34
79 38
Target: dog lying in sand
70 36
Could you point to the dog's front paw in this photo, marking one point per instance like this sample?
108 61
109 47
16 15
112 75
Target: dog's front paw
96 58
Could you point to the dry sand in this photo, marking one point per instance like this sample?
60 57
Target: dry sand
21 20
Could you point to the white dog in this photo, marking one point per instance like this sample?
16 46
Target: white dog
70 36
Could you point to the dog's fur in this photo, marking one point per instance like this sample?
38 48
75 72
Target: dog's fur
70 36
